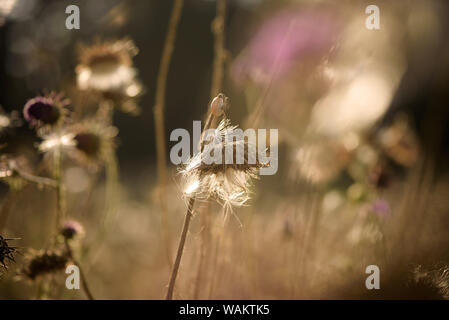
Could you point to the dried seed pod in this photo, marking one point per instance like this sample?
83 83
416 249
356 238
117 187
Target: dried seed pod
227 182
219 105
106 68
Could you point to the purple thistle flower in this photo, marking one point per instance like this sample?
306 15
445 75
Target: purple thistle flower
285 38
381 208
72 229
45 110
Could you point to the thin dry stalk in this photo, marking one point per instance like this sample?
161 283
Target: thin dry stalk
185 228
218 29
217 249
204 249
159 107
182 241
82 275
60 196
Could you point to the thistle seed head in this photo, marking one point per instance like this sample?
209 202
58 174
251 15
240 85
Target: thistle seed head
94 141
107 68
227 183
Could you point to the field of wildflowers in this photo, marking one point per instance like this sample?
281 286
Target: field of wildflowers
87 176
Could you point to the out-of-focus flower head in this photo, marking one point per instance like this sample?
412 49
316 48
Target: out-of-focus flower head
330 75
366 69
16 9
291 35
319 163
228 183
381 208
43 262
6 7
72 229
353 105
107 68
46 112
93 141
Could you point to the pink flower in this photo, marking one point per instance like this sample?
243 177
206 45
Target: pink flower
287 37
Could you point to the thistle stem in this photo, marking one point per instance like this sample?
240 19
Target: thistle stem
60 196
205 240
218 29
159 107
83 277
218 246
35 179
182 242
217 83
112 195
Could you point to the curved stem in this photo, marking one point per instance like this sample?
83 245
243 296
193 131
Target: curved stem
218 29
35 179
83 277
159 107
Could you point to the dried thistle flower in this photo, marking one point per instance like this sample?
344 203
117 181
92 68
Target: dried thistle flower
93 141
46 112
6 252
72 229
43 262
107 68
228 183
